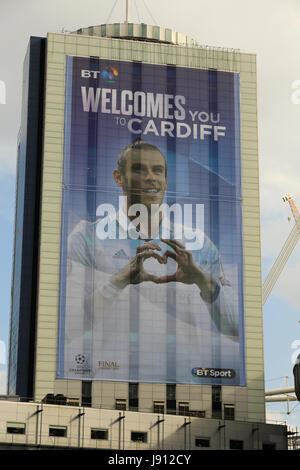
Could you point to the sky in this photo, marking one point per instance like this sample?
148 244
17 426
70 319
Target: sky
267 28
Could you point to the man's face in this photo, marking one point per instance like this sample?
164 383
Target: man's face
144 181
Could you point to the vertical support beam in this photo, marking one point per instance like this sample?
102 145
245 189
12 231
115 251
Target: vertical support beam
38 411
121 418
127 11
287 400
81 413
37 425
119 445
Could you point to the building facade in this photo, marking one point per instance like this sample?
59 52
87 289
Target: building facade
36 298
36 425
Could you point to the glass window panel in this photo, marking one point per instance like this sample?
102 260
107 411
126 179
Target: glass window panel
15 428
99 434
138 436
58 431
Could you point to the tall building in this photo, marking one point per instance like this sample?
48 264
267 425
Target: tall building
181 119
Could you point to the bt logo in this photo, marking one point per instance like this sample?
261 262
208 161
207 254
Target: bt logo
108 74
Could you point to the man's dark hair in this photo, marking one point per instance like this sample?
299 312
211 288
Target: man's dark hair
137 144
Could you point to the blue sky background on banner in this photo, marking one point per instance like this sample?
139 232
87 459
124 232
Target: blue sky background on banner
229 23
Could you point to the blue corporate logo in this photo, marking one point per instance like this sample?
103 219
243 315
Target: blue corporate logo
109 74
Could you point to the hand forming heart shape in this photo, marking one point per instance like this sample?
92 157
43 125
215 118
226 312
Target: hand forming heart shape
165 266
187 272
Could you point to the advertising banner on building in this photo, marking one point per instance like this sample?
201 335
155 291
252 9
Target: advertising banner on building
151 285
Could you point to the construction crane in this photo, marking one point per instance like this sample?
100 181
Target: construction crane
285 252
283 394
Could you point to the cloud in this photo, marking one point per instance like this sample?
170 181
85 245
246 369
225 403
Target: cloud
8 147
8 158
275 416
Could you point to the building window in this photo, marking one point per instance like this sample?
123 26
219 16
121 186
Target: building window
130 29
202 442
156 32
103 30
171 399
197 413
159 407
86 394
236 445
58 431
117 29
99 434
120 404
216 398
184 408
15 428
144 30
229 411
138 436
169 35
91 30
133 397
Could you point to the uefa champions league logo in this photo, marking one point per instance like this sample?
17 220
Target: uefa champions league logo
81 363
80 359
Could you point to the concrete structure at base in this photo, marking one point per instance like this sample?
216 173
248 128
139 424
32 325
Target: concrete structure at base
38 425
35 300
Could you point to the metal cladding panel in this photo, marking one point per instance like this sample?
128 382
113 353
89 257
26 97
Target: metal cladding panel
26 247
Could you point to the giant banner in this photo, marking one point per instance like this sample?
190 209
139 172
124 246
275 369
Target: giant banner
151 282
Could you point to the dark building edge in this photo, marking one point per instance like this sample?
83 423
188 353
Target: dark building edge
27 224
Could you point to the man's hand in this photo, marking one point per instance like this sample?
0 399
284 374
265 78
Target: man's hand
134 272
187 272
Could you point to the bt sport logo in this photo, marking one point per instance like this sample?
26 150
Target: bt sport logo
213 373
